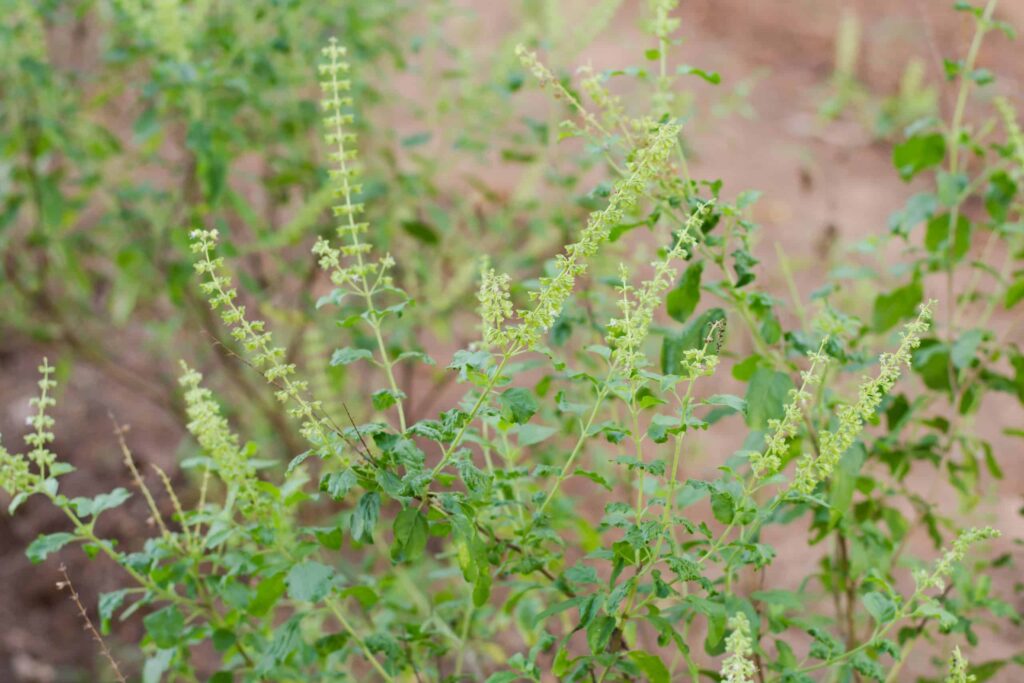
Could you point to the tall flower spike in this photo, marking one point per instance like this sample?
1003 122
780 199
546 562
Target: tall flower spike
944 567
663 25
212 432
737 667
348 263
627 334
647 164
1013 132
612 110
41 422
958 669
268 359
495 305
16 477
16 473
767 462
833 443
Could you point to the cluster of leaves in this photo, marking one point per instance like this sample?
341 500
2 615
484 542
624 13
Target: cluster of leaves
124 119
542 525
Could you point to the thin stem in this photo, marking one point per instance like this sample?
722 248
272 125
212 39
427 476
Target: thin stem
339 614
955 130
584 435
448 452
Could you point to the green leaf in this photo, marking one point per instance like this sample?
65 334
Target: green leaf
599 633
517 405
746 368
365 516
385 398
309 581
598 479
662 426
728 400
934 610
416 139
165 626
16 502
892 307
557 608
1014 294
880 606
651 665
349 355
421 231
867 667
411 532
712 77
155 667
46 544
222 639
338 484
85 507
366 596
683 300
581 573
844 483
743 263
999 195
931 362
766 397
108 604
966 347
918 209
723 505
936 238
560 664
268 592
532 434
505 677
918 153
482 587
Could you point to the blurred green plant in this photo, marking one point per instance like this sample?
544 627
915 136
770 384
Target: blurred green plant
542 525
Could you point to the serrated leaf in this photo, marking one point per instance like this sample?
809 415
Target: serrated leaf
338 484
43 546
86 507
108 604
517 405
411 532
164 626
364 517
599 633
651 665
879 606
309 581
349 355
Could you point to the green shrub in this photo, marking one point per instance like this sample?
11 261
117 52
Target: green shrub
543 525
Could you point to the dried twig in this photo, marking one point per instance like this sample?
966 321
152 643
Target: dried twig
104 650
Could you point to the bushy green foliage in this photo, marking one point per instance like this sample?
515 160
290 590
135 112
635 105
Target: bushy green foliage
544 525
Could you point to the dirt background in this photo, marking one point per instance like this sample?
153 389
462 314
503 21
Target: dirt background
823 185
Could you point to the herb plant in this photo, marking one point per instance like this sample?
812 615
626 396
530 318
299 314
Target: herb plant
553 522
